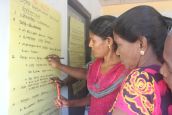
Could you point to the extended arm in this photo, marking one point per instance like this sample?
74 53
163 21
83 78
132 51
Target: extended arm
72 103
78 73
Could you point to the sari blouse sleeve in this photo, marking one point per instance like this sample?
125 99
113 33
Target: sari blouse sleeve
137 94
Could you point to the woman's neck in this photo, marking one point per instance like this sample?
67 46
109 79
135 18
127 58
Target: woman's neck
150 58
111 59
109 62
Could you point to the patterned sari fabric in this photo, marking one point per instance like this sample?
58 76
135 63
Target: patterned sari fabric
144 92
103 87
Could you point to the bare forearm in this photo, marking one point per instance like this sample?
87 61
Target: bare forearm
78 73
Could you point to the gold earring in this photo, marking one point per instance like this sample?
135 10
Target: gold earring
142 52
109 46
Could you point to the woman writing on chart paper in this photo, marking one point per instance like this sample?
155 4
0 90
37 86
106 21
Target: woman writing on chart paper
105 73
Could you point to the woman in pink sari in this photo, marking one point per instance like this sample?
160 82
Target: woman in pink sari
105 73
140 34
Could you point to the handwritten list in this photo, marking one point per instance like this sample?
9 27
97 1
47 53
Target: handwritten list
76 43
77 50
34 34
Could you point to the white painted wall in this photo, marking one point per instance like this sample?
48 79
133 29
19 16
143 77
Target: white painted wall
4 49
93 6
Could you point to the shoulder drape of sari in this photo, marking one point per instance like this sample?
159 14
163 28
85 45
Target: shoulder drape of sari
100 85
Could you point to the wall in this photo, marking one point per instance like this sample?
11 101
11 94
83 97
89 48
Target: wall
164 7
93 6
4 45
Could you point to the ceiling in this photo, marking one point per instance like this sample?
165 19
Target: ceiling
113 2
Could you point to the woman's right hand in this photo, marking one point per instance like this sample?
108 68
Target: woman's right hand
62 102
54 60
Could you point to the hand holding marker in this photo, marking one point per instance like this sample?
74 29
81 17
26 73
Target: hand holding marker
49 57
54 61
58 83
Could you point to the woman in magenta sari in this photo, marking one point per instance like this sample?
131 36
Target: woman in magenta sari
140 34
105 73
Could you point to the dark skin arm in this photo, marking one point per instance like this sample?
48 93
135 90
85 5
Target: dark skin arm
63 102
78 73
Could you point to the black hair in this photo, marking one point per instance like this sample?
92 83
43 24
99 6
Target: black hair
143 21
168 21
103 27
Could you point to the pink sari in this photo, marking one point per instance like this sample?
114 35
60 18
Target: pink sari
144 92
103 87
